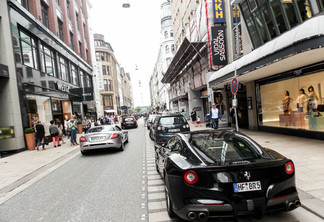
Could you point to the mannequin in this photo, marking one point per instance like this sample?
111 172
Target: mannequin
301 100
286 102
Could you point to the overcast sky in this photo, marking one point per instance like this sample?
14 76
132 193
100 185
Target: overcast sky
134 34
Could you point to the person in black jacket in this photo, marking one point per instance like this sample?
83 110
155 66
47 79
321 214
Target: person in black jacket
54 133
40 134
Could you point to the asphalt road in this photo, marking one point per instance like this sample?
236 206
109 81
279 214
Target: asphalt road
103 186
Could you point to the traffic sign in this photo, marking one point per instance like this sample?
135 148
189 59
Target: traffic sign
234 86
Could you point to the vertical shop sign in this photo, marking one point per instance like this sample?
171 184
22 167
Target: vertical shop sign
236 14
219 11
98 73
218 45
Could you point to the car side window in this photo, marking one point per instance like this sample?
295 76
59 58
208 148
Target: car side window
174 144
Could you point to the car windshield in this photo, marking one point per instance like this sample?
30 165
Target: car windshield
101 129
128 119
224 148
170 120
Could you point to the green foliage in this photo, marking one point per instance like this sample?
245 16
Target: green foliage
29 130
138 109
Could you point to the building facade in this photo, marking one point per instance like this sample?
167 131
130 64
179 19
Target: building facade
278 60
51 54
109 91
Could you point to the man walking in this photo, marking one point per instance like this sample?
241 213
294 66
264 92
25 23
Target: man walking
85 124
215 116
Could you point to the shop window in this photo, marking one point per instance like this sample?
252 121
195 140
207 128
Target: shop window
304 109
288 6
269 22
278 15
304 9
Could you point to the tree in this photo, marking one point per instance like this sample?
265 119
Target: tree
138 109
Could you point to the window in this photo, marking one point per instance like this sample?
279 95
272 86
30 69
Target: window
304 9
81 79
68 9
108 101
88 81
44 9
24 3
104 70
108 70
110 86
75 79
166 34
102 56
87 56
77 20
270 23
171 33
278 15
107 57
29 50
60 29
106 84
167 49
47 60
80 48
63 69
321 4
97 56
71 41
172 48
288 6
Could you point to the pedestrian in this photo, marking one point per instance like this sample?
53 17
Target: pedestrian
54 131
40 135
215 116
92 123
74 128
85 124
66 128
116 119
193 116
198 121
60 129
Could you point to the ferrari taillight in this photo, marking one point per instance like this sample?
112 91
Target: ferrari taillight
82 139
114 136
191 177
186 126
289 167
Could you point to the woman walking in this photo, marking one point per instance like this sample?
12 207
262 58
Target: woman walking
60 129
54 131
40 135
73 127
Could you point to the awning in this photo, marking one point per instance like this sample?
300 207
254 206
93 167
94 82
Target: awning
179 97
293 49
110 111
187 52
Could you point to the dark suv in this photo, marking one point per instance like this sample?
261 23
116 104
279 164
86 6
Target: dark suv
128 122
167 125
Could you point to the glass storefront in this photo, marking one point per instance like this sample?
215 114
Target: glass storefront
293 103
39 108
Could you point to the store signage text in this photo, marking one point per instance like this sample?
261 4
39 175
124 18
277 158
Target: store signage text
219 11
63 88
218 45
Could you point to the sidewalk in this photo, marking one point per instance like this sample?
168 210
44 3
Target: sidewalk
20 170
308 157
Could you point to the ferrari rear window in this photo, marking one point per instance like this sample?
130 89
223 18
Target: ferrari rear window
100 129
170 120
224 148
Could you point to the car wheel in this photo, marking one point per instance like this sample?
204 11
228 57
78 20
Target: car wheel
122 147
126 141
151 135
169 205
84 152
156 164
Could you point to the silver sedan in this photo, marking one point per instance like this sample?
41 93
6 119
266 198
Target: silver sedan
103 137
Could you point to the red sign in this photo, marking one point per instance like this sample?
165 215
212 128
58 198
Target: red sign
234 86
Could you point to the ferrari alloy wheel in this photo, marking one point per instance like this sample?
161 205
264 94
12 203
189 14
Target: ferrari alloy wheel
169 204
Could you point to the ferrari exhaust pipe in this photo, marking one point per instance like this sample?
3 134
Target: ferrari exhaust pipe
202 216
291 206
297 203
192 215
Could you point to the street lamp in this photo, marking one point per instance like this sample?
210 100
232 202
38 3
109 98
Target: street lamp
126 4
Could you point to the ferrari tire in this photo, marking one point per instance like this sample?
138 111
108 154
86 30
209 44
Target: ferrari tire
126 141
122 147
169 205
151 136
84 152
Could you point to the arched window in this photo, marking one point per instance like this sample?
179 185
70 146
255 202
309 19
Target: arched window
166 34
172 48
171 33
167 49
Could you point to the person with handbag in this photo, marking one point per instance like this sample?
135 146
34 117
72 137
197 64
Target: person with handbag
54 133
73 127
40 135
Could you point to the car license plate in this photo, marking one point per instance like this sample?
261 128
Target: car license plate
96 139
247 186
174 130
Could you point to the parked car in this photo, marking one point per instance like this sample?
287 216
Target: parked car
129 122
103 137
150 120
167 125
211 174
